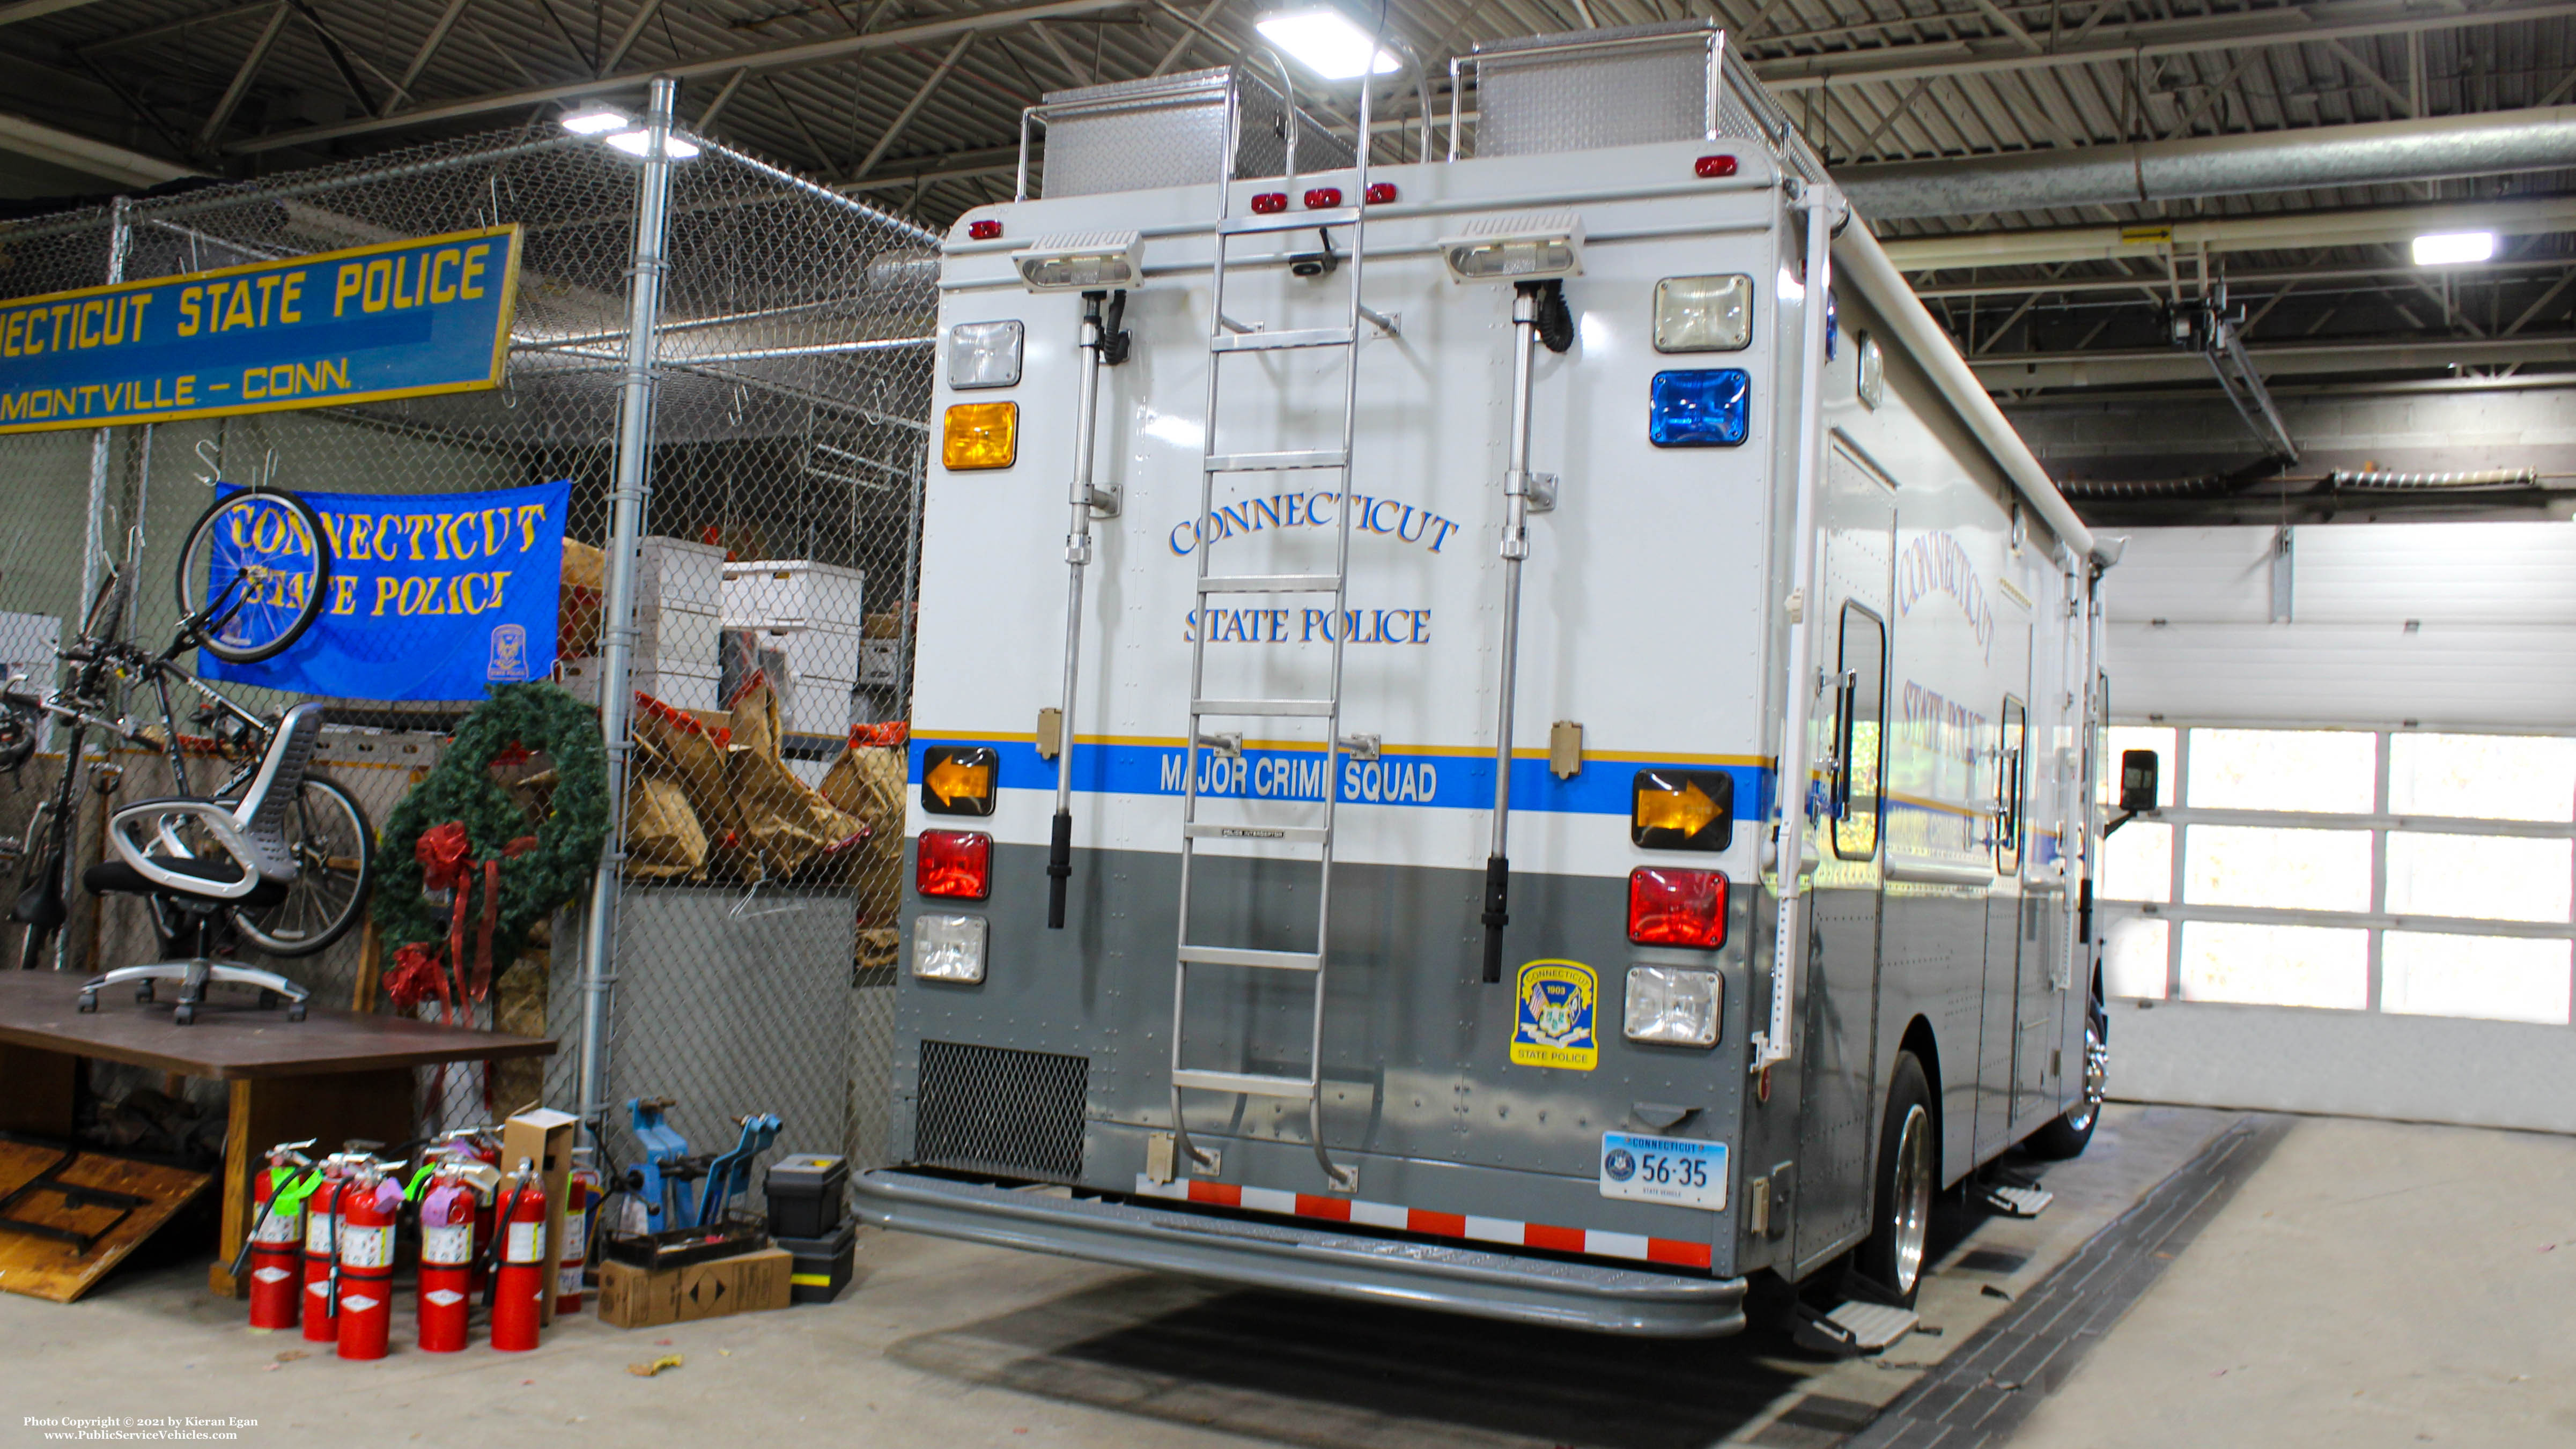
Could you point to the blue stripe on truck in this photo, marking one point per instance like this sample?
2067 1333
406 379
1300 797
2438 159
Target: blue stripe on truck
1446 782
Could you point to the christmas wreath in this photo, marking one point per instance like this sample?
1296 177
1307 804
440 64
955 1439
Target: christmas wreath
461 831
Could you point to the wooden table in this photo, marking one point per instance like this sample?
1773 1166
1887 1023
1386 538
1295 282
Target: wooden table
334 1075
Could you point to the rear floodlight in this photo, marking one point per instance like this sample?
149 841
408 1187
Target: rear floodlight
1327 42
634 143
595 121
1516 249
1082 262
2454 248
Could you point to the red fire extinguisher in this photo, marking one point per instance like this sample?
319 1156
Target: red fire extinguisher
457 1191
472 1145
321 1253
368 1202
277 1235
581 1195
519 1283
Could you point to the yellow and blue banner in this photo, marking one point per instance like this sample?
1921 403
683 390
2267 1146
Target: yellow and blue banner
433 596
394 320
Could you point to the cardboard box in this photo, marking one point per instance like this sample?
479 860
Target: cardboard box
544 1137
631 1297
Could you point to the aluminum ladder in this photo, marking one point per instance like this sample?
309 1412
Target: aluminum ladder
1228 338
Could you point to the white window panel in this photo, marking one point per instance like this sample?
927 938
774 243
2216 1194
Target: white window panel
2482 777
2499 978
2295 870
2488 877
2133 956
2139 737
2316 771
2276 965
2137 863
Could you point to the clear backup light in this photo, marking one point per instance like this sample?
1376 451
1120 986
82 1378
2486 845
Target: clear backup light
1088 261
1673 1006
1516 249
985 354
1703 314
948 948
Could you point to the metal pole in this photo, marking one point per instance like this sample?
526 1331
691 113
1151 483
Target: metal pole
94 540
1806 617
627 499
1515 550
1077 555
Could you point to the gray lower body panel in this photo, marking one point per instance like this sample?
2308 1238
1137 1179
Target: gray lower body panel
1306 1260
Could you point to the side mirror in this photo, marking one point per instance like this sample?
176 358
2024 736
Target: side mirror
2138 775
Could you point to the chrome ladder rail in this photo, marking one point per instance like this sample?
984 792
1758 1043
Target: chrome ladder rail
1227 338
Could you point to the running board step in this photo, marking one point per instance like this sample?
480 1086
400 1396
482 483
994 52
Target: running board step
1250 1083
1854 1329
2015 1201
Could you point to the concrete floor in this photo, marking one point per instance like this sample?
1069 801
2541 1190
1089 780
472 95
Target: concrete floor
2296 1296
2373 1284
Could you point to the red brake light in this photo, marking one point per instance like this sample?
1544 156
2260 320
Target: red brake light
1269 202
957 863
1323 198
1677 908
1380 193
988 229
1715 166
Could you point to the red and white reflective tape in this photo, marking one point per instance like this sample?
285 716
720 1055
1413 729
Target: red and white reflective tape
1504 1231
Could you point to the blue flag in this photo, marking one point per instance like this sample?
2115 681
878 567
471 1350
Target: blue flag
433 596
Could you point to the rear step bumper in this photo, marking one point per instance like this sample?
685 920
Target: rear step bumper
1306 1260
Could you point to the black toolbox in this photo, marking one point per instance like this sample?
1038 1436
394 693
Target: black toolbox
823 1265
806 1195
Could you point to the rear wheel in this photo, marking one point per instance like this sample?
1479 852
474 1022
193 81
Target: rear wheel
334 868
2069 1134
38 909
257 566
1908 1174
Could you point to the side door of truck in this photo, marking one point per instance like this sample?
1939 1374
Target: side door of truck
1838 1118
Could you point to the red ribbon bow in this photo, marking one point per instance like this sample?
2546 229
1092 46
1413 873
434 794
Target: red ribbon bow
447 863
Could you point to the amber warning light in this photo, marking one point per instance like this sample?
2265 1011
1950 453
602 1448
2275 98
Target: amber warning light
958 779
1682 810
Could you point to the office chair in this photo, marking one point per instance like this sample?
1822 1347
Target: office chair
204 857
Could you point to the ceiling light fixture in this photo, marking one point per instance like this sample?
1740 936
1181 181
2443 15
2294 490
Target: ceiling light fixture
634 142
1327 42
2454 248
595 121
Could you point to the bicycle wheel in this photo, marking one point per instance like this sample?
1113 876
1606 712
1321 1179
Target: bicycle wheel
334 851
258 568
38 909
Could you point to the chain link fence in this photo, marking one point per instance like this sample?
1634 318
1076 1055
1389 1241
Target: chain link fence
752 952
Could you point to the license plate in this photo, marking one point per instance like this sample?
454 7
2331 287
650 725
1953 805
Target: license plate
1673 1170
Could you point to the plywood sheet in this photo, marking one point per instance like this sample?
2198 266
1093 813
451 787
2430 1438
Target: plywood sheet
44 1268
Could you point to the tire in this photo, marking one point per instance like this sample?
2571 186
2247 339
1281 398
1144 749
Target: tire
2068 1135
278 625
334 849
1908 1175
38 908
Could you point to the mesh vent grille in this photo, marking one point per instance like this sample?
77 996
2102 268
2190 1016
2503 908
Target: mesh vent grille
991 1109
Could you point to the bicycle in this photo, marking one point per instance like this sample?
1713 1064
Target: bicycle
252 579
